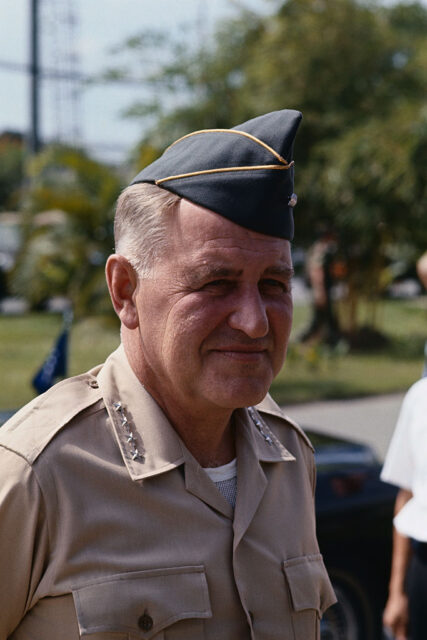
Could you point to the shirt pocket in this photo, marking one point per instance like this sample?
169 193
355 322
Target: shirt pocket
158 604
310 592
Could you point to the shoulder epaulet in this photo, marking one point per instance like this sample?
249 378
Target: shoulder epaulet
269 407
30 430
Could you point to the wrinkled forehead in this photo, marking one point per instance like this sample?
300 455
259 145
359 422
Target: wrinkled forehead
201 236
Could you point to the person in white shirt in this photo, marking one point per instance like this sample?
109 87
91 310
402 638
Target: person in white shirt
405 613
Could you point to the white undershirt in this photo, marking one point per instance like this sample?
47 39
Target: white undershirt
225 479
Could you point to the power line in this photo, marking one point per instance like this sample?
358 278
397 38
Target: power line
46 73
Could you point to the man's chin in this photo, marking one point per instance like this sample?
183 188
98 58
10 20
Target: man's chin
236 396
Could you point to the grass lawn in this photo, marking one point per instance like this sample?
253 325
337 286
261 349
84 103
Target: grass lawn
25 342
310 373
315 373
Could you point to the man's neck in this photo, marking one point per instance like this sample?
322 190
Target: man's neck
207 432
210 441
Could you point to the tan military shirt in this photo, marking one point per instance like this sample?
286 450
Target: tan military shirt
111 530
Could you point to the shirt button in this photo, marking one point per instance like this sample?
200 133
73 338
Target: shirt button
94 384
145 622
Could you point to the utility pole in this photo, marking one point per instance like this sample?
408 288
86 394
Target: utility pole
34 137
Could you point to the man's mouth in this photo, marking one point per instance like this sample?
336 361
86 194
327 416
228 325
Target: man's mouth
242 353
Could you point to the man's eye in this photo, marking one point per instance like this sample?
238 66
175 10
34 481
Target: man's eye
218 284
270 284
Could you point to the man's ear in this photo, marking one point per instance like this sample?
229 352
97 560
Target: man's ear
122 281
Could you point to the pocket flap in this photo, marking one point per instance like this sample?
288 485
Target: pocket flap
142 603
309 583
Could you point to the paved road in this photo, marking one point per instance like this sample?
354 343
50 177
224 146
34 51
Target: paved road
369 420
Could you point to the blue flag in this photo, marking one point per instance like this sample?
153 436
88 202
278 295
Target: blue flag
55 364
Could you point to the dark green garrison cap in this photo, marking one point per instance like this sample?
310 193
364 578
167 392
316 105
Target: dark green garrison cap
245 174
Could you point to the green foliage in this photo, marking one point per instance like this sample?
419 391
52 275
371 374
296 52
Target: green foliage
361 86
65 250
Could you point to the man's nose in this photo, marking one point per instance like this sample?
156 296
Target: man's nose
249 314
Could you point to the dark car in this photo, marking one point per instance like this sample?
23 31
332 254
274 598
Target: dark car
354 527
354 510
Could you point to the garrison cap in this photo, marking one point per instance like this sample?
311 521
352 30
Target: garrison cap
245 174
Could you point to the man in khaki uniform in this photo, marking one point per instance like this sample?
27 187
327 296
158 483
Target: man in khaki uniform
163 495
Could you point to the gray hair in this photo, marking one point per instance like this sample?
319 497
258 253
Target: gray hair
141 225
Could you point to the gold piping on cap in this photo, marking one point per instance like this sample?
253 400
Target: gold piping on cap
281 167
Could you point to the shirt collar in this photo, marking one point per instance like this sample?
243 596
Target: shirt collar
148 443
267 447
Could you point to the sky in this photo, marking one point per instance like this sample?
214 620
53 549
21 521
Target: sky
80 35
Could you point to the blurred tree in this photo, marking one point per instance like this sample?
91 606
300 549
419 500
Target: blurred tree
192 87
11 169
66 245
358 72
